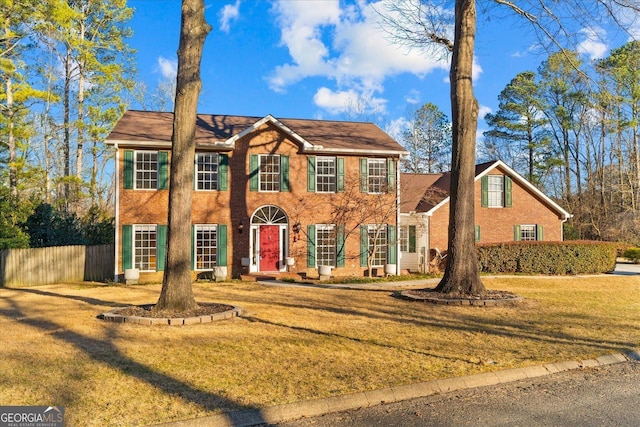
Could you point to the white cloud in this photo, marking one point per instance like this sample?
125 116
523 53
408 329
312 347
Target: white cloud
351 102
396 127
413 97
228 14
483 111
593 45
344 45
168 68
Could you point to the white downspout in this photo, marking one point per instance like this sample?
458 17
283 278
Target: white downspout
399 254
116 243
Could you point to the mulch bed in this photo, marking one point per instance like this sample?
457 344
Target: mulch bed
145 311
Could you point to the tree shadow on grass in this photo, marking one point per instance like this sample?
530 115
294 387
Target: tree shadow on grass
104 352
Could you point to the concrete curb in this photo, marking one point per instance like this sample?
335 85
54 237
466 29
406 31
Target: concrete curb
313 408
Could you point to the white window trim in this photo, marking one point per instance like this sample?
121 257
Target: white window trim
535 232
489 192
372 228
196 172
260 157
332 227
334 176
135 169
384 175
195 246
136 228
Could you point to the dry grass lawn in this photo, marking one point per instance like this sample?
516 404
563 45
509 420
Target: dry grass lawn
292 344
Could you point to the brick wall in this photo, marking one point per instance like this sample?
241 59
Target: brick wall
497 224
236 205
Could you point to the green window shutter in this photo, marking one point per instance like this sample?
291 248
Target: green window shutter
364 176
539 232
508 186
253 172
128 170
391 176
391 244
340 175
311 174
161 246
127 250
364 245
193 247
340 246
516 233
484 184
311 246
223 172
222 245
284 173
477 233
163 170
412 239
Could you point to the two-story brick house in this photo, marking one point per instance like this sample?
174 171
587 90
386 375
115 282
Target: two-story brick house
269 194
507 208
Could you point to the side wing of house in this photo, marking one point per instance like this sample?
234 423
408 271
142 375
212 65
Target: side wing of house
507 209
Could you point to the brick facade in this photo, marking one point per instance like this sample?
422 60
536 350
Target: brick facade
528 207
235 206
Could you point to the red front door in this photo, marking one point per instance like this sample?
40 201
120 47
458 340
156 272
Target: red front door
269 248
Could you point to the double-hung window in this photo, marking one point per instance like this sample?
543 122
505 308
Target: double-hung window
269 172
205 246
378 244
528 232
325 174
496 191
326 245
207 171
145 240
377 175
146 169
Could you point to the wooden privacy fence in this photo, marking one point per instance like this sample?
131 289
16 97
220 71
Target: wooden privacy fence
57 264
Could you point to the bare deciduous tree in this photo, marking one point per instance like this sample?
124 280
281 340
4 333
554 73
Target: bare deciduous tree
427 25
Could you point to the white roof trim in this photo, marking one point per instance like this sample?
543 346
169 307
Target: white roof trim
520 180
269 118
165 144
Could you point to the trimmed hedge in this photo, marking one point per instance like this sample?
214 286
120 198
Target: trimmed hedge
632 254
570 257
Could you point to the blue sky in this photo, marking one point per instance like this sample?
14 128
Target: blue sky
320 58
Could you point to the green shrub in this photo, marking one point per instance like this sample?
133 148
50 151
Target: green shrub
632 254
571 257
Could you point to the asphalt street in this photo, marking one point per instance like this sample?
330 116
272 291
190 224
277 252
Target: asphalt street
600 396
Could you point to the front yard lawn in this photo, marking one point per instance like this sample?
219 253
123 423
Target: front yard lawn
291 344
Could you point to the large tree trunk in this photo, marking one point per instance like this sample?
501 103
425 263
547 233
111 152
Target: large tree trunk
461 274
177 293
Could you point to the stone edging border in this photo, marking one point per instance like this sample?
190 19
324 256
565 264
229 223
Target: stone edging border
111 316
313 408
461 301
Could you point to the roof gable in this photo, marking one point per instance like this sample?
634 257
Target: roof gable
437 193
151 128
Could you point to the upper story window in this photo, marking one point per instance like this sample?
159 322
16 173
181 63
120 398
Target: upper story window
377 175
496 191
146 170
325 174
269 172
207 171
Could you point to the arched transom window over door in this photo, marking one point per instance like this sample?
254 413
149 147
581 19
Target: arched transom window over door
269 215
